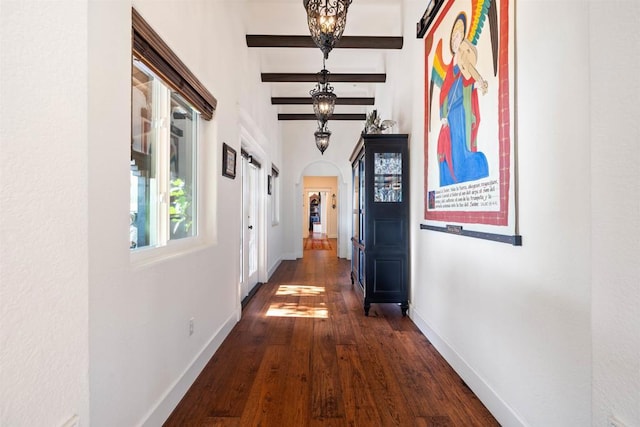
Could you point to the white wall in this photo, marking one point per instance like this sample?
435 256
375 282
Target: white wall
44 317
142 357
515 321
615 207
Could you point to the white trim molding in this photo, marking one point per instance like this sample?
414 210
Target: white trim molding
168 402
505 415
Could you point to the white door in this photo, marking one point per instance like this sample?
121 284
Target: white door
250 222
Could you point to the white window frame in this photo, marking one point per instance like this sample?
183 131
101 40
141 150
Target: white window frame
275 196
164 246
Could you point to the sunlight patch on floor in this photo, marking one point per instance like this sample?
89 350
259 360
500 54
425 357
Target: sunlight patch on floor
300 290
292 309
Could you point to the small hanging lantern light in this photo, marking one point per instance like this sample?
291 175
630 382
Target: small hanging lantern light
324 100
322 137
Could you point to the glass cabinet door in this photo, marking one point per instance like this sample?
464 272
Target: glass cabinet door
362 201
356 202
387 182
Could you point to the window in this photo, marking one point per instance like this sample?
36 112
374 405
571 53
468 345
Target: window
167 101
164 135
275 196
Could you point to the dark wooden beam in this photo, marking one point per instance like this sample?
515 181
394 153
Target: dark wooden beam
308 101
313 77
312 116
346 42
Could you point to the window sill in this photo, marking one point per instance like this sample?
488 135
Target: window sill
147 257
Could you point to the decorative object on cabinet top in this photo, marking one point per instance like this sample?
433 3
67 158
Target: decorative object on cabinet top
375 125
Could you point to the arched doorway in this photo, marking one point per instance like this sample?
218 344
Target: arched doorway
326 181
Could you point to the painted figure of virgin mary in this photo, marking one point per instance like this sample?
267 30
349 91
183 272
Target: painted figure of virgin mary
458 157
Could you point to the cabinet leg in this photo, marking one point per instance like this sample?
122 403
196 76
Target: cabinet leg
404 306
366 309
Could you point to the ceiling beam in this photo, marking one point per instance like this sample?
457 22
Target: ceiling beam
312 116
313 77
309 101
345 42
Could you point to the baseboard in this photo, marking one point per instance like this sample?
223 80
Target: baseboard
252 292
289 256
159 414
505 415
273 268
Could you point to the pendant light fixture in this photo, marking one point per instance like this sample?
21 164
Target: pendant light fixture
326 20
324 100
322 137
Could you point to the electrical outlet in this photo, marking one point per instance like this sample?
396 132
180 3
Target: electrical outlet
615 422
191 326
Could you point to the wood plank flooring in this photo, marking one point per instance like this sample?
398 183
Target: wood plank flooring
304 354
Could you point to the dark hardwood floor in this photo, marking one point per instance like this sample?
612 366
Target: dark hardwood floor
304 354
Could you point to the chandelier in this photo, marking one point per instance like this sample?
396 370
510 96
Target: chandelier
326 19
322 137
324 100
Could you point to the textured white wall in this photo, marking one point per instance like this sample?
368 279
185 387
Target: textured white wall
142 357
515 321
44 354
615 196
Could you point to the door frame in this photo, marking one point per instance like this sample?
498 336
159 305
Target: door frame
250 145
325 203
245 168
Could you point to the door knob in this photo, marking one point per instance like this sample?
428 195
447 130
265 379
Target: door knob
251 227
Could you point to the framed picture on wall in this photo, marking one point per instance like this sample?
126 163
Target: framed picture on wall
228 161
469 138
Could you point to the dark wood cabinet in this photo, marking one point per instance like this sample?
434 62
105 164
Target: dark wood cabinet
380 240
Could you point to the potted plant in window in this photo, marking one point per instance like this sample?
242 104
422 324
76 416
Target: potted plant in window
180 209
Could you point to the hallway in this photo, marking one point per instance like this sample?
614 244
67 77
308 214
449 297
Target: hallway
304 354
